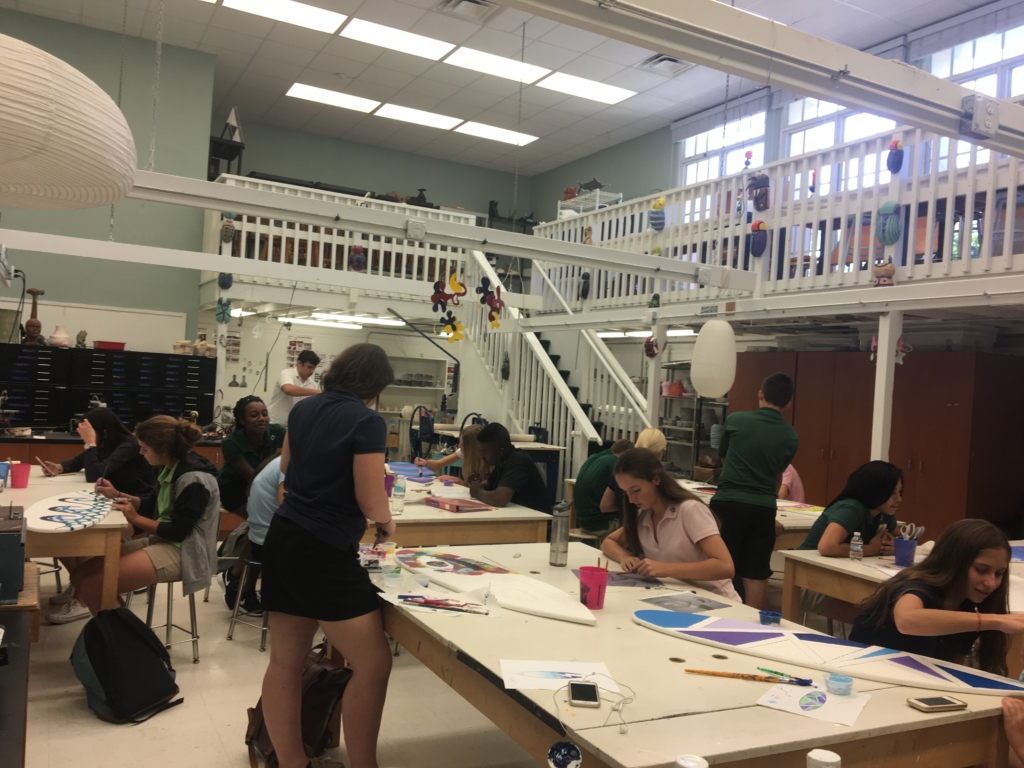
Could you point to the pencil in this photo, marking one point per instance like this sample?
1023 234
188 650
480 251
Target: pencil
773 672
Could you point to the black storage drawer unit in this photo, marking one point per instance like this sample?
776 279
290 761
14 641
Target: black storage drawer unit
133 406
142 370
36 365
37 405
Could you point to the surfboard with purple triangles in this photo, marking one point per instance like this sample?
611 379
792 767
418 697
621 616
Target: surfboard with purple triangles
813 650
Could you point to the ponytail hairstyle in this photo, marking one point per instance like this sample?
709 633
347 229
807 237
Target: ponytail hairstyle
170 436
239 410
644 465
362 369
944 572
110 430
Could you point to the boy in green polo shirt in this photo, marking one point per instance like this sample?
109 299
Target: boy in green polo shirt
756 448
591 483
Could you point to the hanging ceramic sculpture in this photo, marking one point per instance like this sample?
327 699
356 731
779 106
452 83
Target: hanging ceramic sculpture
651 347
758 238
64 144
656 216
748 156
894 160
439 298
885 274
588 236
890 223
496 305
713 369
458 289
453 329
357 258
225 280
655 301
223 311
227 228
484 290
656 251
584 291
758 189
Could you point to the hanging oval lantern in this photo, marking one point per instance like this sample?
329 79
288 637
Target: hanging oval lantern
64 144
713 369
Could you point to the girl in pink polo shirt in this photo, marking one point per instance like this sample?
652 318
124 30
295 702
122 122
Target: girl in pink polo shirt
666 531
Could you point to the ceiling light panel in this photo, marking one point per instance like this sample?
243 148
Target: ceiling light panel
585 89
418 116
489 64
321 323
495 134
352 319
396 39
290 12
333 98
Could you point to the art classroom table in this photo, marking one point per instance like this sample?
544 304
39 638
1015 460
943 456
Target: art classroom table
421 525
845 579
101 540
673 713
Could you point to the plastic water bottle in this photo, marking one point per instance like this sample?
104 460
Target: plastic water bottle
856 544
398 496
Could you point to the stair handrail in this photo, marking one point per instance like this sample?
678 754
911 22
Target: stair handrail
571 403
618 373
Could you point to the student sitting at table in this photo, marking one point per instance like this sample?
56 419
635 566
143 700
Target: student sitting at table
653 440
792 487
666 531
473 466
867 505
940 606
515 478
253 441
181 516
592 483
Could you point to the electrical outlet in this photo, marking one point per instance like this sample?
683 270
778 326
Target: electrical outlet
415 229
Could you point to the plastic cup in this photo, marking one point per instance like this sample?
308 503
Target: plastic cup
389 484
905 549
593 583
19 475
5 468
770 618
393 579
840 685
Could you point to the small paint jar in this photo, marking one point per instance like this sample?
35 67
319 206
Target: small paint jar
840 685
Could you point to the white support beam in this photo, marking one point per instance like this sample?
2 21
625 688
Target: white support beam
715 35
890 328
654 374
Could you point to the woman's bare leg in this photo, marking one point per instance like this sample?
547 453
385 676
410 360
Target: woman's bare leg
282 686
135 571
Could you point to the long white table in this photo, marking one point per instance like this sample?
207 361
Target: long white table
673 713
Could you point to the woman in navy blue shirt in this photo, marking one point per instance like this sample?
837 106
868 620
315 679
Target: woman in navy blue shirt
333 460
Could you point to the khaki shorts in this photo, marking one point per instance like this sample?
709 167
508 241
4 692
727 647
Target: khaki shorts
166 557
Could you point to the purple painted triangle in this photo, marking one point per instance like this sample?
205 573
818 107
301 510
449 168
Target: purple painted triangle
912 663
734 638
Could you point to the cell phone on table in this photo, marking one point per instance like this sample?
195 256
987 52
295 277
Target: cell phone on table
584 695
937 704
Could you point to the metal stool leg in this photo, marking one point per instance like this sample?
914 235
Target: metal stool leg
170 612
238 602
263 634
150 604
128 600
206 595
56 575
195 632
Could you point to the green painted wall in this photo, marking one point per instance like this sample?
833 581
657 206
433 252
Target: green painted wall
284 152
183 125
636 167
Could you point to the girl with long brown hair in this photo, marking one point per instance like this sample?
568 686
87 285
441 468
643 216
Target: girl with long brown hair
473 466
940 606
667 532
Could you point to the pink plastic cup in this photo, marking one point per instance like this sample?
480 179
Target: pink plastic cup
389 484
19 475
593 583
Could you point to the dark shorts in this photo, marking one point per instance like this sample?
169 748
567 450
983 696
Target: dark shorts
749 532
233 496
305 576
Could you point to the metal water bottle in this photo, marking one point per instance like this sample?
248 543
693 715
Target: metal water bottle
560 534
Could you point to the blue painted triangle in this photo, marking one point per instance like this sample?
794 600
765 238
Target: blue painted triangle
670 619
977 681
880 652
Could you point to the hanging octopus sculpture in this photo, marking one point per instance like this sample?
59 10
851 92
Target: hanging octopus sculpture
452 328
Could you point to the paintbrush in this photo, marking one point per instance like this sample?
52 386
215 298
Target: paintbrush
96 489
756 678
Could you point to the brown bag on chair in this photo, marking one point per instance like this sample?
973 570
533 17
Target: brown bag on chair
322 688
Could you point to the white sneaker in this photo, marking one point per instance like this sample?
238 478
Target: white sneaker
69 612
63 597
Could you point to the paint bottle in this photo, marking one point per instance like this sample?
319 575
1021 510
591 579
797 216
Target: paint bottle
822 758
691 761
856 547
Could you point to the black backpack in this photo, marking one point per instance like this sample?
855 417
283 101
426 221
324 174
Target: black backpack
124 667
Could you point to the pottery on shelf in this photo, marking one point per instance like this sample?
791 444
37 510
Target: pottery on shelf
59 338
677 389
666 388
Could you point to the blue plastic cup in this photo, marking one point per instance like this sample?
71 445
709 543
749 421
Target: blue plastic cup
905 549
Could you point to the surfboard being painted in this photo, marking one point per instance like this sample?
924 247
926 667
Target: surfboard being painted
67 512
828 654
513 591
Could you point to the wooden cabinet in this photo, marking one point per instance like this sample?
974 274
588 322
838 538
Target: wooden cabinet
812 418
853 396
211 453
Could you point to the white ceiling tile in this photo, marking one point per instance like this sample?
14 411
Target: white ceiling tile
334 121
498 86
413 100
328 80
391 13
274 86
636 79
547 55
446 73
429 150
592 68
556 118
299 37
352 49
348 7
231 41
454 142
543 97
574 39
286 53
104 10
644 102
73 18
324 62
232 59
582 107
252 101
403 62
673 90
437 89
620 52
571 135
238 21
278 69
479 153
386 77
497 42
182 29
180 42
513 108
198 12
284 117
302 109
443 27
373 91
425 4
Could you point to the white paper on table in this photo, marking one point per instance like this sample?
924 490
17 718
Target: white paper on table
554 675
482 596
1016 594
816 704
73 477
888 570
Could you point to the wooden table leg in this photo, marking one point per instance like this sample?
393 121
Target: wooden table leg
111 566
790 593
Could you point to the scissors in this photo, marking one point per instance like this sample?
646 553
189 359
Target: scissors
911 532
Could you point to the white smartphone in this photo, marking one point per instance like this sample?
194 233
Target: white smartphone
937 704
584 695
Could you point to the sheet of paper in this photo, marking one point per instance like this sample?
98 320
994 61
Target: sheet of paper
617 579
814 703
554 675
685 602
73 477
1016 594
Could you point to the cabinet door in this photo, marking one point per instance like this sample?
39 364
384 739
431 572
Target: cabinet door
853 394
211 453
752 368
812 418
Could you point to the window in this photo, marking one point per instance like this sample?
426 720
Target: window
722 150
987 65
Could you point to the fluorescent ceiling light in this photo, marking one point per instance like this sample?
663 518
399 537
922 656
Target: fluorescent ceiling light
334 98
495 134
353 319
290 12
489 64
418 116
611 335
322 323
682 332
396 39
241 313
638 334
586 89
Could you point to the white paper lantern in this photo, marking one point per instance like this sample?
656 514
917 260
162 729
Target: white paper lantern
713 369
64 143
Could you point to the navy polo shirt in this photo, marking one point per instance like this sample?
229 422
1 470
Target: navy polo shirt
324 434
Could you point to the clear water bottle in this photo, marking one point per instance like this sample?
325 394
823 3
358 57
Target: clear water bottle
398 496
856 544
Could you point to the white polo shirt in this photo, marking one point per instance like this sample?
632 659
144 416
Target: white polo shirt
280 403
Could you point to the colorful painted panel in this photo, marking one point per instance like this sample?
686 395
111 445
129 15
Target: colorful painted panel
421 559
67 512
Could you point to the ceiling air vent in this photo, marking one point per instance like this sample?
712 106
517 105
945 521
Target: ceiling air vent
665 65
471 10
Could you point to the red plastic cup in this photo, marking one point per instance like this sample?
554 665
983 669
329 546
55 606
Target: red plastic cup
19 475
593 583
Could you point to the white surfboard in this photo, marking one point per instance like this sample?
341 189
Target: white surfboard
72 511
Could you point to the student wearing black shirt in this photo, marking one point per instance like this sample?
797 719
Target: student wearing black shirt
515 478
333 460
940 606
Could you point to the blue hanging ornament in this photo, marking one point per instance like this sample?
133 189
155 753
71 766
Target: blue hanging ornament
225 280
656 216
564 754
894 161
356 258
223 310
758 237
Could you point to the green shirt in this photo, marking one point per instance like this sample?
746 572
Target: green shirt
756 447
591 483
853 516
164 501
236 446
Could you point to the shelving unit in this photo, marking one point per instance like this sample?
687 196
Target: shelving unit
690 438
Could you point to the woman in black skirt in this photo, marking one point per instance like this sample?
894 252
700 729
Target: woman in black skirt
333 460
